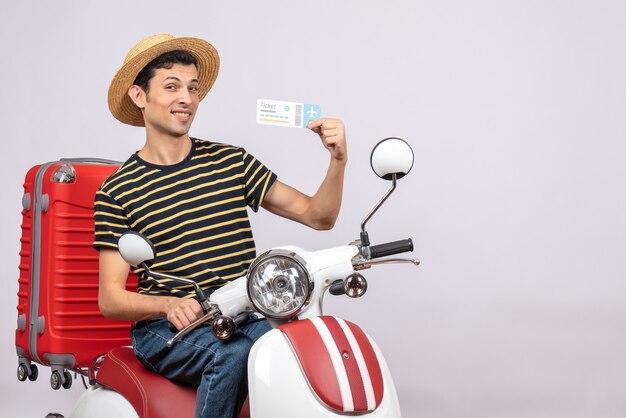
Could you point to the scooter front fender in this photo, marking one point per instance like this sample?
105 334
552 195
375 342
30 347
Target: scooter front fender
279 387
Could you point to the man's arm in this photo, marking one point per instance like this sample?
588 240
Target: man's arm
116 302
319 211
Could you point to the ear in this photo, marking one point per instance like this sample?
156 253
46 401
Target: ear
138 96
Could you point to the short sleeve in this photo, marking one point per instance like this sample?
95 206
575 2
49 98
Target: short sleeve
257 180
110 221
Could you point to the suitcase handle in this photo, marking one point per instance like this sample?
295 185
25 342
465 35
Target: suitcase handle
90 160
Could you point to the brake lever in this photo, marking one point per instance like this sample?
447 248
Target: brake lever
214 311
365 264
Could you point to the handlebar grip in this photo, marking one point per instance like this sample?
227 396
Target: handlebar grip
391 248
241 319
337 288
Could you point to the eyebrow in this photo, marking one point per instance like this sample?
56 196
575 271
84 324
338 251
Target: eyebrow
179 80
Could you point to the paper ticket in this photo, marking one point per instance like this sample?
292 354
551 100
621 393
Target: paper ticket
290 114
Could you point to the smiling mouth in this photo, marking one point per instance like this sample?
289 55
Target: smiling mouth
182 115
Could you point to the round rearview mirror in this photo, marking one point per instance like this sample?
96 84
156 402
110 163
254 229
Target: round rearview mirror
136 249
392 156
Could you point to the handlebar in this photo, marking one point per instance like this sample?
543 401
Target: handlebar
391 248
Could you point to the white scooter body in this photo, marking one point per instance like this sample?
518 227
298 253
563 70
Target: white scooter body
273 367
101 402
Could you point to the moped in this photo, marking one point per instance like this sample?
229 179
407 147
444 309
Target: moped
308 366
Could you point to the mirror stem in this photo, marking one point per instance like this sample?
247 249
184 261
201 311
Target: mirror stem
368 217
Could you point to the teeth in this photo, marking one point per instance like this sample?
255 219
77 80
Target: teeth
180 113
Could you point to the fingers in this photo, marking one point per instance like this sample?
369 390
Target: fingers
323 124
328 128
184 313
333 135
314 125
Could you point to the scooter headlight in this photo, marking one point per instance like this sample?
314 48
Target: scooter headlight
279 284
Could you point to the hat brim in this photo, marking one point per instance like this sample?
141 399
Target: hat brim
120 104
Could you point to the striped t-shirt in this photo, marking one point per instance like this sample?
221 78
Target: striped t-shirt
194 212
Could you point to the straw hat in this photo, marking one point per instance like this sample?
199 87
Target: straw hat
122 107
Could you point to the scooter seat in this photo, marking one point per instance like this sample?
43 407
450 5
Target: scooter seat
152 395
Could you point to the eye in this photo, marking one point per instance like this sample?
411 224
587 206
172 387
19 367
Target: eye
170 87
193 89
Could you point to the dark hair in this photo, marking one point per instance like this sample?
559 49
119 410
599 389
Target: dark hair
166 60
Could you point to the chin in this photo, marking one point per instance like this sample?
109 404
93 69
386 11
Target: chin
179 131
180 134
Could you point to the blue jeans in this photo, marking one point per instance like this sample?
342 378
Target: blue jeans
218 368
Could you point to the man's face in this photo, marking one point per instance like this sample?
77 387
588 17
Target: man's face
172 100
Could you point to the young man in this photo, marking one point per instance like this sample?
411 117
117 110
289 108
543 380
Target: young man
189 198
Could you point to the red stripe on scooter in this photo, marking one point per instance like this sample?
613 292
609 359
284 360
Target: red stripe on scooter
359 398
315 361
373 366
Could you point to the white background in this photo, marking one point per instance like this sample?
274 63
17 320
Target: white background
516 203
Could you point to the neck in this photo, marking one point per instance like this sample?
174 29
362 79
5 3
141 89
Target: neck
165 149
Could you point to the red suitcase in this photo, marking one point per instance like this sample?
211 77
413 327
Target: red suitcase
59 323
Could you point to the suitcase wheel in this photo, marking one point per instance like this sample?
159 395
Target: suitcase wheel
56 381
34 372
68 380
23 374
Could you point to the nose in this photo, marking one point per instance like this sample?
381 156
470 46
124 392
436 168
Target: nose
185 97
